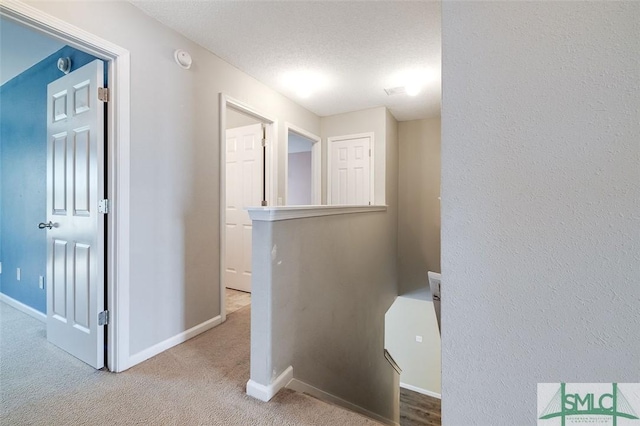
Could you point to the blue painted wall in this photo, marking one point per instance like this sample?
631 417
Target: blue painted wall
23 165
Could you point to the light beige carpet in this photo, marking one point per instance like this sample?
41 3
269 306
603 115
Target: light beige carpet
201 382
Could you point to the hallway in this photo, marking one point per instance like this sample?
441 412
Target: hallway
201 381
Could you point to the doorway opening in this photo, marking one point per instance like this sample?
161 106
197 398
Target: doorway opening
246 180
115 161
302 167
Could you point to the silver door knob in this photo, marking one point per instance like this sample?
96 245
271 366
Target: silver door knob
43 225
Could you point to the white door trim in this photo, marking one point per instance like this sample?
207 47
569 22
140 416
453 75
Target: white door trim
118 129
316 163
271 174
332 139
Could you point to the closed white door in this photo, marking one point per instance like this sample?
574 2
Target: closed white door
244 180
75 228
349 171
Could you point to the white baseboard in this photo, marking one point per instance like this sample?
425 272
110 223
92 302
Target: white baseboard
266 392
173 341
420 390
303 387
23 308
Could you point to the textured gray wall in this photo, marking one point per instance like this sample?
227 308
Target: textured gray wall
321 287
540 202
419 206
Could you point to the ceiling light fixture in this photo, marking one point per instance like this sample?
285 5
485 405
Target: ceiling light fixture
304 83
412 89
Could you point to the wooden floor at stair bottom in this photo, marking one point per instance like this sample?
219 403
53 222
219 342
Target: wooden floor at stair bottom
417 409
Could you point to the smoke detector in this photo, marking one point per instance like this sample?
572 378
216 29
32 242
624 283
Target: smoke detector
183 59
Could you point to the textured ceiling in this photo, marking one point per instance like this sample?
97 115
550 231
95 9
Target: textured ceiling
359 48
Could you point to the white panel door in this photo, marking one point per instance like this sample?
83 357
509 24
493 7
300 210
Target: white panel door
244 179
75 229
349 169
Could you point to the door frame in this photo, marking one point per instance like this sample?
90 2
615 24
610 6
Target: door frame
270 173
316 163
332 139
117 168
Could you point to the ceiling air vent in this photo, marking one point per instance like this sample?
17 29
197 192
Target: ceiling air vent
396 91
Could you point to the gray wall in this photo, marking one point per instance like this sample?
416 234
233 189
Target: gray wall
390 172
238 119
174 164
299 177
407 318
419 206
320 292
540 202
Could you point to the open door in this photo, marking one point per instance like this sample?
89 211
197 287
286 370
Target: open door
245 180
75 226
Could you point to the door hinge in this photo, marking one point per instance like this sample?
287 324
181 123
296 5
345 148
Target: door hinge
264 142
103 318
103 206
369 152
264 135
264 203
103 94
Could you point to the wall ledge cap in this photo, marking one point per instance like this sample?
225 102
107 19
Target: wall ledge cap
273 214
